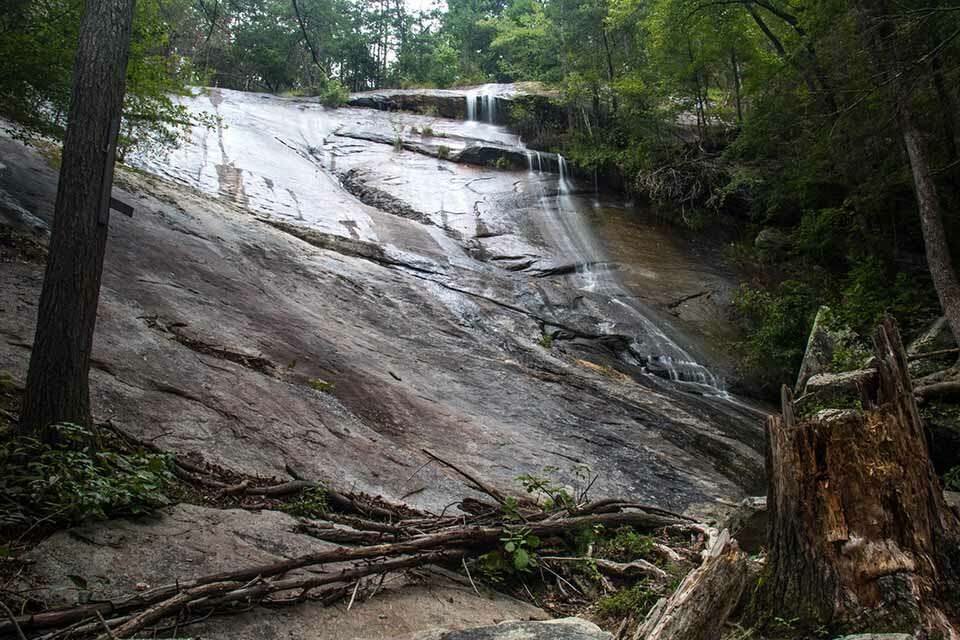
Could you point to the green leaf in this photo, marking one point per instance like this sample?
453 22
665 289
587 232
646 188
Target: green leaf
521 560
533 541
510 547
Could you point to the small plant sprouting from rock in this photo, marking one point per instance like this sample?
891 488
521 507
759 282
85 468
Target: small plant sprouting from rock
312 503
427 132
443 152
546 341
321 385
553 495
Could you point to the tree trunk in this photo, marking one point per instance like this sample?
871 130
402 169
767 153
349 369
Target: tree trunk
889 53
939 260
57 382
860 537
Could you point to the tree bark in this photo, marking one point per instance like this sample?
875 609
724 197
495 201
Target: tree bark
57 387
699 607
859 534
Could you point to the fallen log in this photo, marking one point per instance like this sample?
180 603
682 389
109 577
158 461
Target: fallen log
699 607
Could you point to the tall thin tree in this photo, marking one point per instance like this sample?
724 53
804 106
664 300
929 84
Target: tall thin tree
57 383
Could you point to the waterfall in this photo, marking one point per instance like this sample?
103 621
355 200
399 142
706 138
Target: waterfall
574 237
482 104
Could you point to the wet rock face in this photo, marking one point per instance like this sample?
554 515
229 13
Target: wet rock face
426 314
447 104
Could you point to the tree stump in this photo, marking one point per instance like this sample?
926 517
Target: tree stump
860 537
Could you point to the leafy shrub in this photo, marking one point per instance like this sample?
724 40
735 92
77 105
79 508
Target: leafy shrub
443 152
427 132
332 93
73 481
951 479
778 321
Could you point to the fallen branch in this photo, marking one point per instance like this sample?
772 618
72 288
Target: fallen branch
701 604
471 479
937 389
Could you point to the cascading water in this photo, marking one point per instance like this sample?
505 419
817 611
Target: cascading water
575 239
482 104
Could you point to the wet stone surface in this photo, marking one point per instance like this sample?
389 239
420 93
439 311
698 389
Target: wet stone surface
430 327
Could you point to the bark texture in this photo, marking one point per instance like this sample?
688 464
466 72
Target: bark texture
699 608
57 382
859 534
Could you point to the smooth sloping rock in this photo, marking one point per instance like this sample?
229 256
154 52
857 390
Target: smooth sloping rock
560 629
14 215
110 559
424 345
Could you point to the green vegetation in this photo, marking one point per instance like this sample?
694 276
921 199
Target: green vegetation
79 478
321 385
443 152
635 600
312 503
951 479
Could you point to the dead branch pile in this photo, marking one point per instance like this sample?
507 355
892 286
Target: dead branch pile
374 540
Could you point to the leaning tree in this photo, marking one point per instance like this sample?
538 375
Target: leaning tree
57 387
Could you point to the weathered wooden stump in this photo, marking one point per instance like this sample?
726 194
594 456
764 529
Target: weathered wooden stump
859 534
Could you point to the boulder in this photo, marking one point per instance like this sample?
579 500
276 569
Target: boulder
561 629
820 347
833 390
748 524
772 240
936 337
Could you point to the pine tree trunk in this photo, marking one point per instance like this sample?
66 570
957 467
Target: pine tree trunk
860 537
57 382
